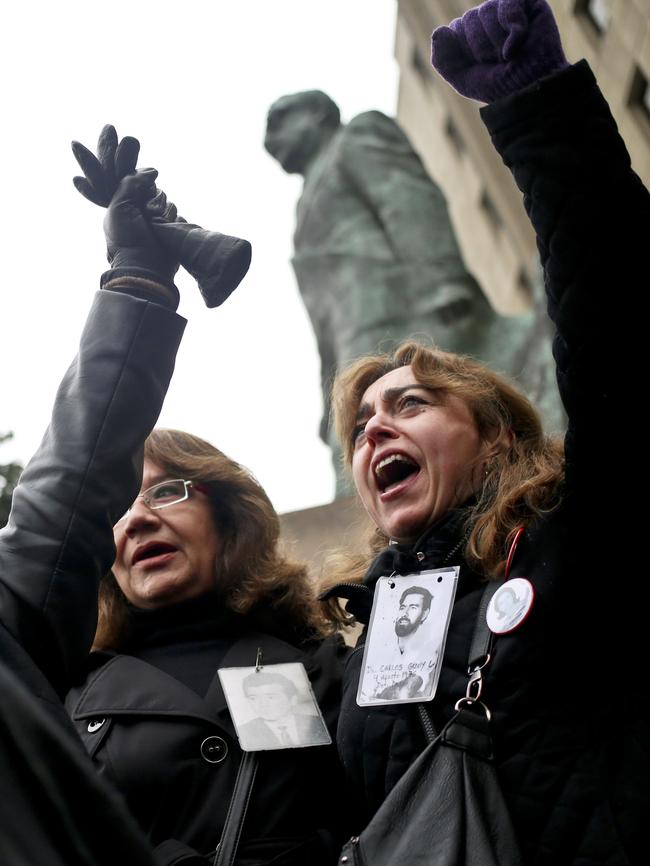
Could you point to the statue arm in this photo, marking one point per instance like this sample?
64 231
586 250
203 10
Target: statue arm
388 177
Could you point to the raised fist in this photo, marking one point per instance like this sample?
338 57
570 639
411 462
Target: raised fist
498 48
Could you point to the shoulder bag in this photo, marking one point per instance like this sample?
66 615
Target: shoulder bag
448 808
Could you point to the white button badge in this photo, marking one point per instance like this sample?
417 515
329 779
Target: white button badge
510 605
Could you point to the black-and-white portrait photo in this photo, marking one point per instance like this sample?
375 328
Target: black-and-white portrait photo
510 605
273 707
406 637
414 608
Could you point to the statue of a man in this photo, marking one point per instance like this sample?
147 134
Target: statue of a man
376 257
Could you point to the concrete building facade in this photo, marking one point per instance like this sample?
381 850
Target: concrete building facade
486 209
485 206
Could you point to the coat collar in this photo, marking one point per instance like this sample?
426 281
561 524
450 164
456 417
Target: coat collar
434 549
124 685
441 544
208 615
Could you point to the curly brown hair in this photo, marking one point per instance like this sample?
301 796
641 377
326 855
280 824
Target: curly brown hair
252 568
524 467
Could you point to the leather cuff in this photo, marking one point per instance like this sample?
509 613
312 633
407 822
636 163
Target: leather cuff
143 284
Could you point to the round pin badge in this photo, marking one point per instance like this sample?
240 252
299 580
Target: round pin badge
510 605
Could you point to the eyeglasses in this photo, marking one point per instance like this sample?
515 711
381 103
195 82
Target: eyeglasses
163 494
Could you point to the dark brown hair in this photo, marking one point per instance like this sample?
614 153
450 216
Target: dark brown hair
252 570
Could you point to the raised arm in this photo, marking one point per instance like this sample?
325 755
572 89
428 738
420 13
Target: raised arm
59 541
591 213
217 262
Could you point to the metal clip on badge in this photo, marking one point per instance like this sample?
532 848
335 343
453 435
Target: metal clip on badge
475 687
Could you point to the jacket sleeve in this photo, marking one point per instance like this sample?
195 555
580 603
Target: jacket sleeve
591 214
59 541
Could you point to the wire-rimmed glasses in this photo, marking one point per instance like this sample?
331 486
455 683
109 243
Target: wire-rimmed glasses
162 495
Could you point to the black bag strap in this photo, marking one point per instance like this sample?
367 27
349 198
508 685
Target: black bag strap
481 643
478 658
227 847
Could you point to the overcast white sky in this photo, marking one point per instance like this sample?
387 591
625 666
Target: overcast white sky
193 81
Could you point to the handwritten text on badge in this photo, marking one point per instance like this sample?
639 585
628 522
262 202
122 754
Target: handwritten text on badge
406 637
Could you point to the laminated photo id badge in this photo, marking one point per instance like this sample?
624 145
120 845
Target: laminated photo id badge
406 637
273 707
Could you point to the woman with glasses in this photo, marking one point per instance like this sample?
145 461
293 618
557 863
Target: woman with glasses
199 584
58 543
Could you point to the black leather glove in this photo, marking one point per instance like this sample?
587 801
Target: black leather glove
102 173
133 250
140 264
217 262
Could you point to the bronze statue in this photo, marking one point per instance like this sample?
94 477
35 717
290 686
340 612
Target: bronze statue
376 257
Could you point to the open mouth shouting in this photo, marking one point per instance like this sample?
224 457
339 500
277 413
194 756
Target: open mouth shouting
394 471
153 554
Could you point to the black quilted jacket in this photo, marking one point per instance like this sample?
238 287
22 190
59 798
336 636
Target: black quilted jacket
567 688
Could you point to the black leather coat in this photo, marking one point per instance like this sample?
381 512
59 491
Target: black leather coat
56 546
174 754
571 719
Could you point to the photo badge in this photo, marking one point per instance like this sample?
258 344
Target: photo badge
510 605
406 637
273 707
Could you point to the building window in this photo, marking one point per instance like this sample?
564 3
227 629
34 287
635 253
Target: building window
597 13
525 285
639 98
453 134
490 210
423 69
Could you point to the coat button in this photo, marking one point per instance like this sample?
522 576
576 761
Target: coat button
95 725
214 749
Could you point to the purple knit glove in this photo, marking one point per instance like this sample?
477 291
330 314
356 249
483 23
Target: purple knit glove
498 48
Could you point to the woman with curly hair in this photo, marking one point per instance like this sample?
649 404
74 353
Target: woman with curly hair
199 584
453 469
